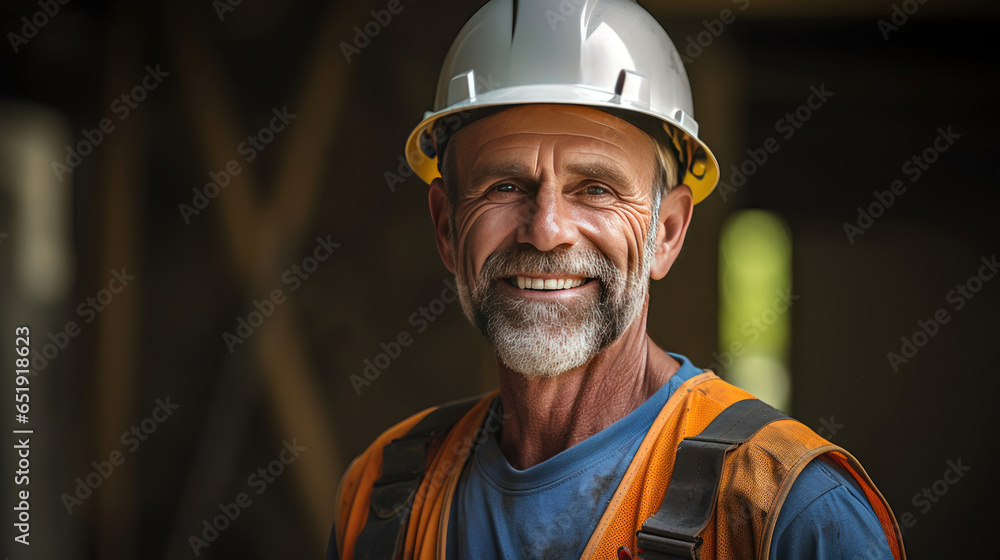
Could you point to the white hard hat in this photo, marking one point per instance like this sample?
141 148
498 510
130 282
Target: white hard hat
607 54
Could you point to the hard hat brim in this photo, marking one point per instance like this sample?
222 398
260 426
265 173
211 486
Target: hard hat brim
701 169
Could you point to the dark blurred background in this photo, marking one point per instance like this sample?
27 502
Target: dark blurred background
140 283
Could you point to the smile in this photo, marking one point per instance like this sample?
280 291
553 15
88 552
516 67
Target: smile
531 283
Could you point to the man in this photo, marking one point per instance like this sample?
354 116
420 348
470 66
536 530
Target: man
564 164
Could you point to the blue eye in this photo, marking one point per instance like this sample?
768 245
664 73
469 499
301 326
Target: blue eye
596 191
506 187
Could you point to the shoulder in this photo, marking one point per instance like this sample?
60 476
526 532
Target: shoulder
432 424
356 484
707 394
826 513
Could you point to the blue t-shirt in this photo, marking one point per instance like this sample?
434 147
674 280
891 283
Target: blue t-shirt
550 510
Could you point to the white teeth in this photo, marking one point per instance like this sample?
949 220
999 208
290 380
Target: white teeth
525 283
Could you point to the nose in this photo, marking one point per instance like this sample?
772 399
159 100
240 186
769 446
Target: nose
550 223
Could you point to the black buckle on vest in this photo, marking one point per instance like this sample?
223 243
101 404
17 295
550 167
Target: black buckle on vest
664 547
673 532
404 461
391 499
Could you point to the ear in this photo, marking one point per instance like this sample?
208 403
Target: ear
437 199
675 216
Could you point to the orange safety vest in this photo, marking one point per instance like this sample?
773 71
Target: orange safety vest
755 480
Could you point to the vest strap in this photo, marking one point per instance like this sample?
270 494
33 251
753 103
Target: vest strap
404 462
673 532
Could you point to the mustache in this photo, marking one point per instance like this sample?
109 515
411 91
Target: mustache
583 261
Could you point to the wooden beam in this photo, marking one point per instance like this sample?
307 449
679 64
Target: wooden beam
119 184
261 235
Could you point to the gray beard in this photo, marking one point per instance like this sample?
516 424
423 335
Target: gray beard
545 339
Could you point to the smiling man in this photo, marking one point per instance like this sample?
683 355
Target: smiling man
556 197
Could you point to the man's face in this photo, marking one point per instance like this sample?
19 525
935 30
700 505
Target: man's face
552 232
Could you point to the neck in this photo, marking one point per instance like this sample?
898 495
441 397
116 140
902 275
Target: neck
549 415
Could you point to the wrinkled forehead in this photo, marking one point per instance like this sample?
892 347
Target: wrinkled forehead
529 126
